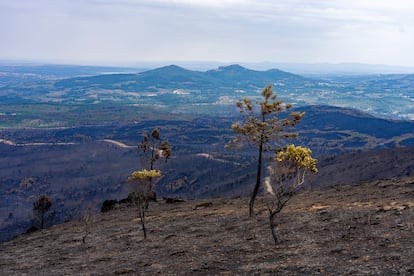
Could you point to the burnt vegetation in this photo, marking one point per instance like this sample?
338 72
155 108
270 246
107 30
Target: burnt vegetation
345 229
98 161
200 168
41 215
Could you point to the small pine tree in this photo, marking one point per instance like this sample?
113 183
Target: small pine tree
263 128
142 186
153 149
40 209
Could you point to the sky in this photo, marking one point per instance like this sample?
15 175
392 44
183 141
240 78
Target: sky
121 32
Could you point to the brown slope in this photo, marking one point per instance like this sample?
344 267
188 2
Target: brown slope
348 229
363 166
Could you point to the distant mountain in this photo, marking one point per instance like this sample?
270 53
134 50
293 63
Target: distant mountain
171 72
170 76
180 90
240 75
175 77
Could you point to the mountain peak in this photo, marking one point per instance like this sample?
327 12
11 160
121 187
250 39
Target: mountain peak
169 70
171 67
232 67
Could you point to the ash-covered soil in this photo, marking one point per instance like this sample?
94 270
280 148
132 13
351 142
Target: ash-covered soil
349 229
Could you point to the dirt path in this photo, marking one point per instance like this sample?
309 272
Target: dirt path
119 144
11 143
7 142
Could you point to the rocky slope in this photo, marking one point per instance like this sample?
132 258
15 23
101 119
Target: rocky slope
347 229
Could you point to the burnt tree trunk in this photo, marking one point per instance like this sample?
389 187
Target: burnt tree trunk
273 226
42 219
142 218
258 180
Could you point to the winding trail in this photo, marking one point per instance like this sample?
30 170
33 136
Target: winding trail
11 143
119 144
7 142
211 157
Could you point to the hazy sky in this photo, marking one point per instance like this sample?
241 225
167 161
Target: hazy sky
130 31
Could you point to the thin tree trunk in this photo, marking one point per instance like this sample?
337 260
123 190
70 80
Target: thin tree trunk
258 180
142 217
143 229
42 218
152 164
273 226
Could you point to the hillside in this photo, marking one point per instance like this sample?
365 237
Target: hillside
181 91
78 165
361 166
349 229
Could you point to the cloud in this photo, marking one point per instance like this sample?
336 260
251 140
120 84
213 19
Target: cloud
228 30
206 3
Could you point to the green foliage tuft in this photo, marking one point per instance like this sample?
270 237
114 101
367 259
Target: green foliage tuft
299 156
144 174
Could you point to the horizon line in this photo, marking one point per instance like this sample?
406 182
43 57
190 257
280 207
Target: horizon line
320 67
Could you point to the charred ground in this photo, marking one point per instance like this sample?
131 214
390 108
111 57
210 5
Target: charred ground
348 229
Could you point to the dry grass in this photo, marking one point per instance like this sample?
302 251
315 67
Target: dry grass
358 229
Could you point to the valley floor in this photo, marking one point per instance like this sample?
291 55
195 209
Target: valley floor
349 229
